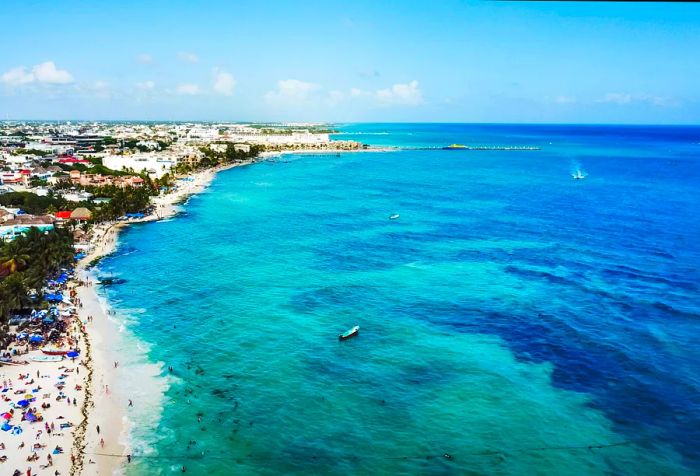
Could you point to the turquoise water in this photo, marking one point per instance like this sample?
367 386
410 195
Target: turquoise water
511 317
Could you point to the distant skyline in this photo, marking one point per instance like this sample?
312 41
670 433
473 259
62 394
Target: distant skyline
360 61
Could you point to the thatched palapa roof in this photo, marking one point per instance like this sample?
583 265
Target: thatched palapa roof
81 213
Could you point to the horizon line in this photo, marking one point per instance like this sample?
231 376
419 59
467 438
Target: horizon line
640 124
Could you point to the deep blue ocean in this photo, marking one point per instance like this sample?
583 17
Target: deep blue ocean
511 317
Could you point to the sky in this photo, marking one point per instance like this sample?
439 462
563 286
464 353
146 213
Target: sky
351 61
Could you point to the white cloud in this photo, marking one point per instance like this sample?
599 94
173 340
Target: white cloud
617 98
565 99
661 101
42 73
356 92
188 57
335 97
186 89
17 76
224 83
401 94
101 89
48 73
144 58
623 99
146 86
291 91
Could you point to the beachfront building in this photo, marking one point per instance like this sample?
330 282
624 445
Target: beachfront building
21 224
76 196
155 165
98 180
15 178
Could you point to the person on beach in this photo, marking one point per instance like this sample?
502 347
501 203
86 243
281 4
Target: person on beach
98 429
102 442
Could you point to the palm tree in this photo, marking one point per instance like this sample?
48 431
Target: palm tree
13 295
12 263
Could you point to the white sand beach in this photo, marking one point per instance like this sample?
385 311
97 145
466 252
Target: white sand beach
105 405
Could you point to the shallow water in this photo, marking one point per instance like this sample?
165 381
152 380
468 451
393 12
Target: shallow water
511 317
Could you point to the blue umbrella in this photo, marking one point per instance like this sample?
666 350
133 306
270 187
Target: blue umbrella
6 427
36 339
23 403
72 354
31 417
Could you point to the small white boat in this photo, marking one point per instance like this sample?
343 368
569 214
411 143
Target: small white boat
395 216
349 333
578 175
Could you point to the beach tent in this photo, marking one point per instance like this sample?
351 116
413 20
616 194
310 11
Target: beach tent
63 215
81 213
36 339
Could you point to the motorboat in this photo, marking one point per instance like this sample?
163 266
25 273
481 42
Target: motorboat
350 333
395 216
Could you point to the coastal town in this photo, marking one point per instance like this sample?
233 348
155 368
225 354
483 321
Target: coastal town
66 189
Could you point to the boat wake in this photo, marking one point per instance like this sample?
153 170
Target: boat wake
577 173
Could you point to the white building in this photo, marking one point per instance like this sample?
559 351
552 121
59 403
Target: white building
154 165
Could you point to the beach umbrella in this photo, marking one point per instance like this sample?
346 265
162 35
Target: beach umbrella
31 417
29 397
23 403
6 416
37 338
72 354
6 427
16 430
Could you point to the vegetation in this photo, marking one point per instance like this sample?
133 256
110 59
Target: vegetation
213 158
40 153
287 130
27 262
122 201
135 144
33 203
96 168
38 182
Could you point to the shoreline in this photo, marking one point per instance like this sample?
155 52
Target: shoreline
103 404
